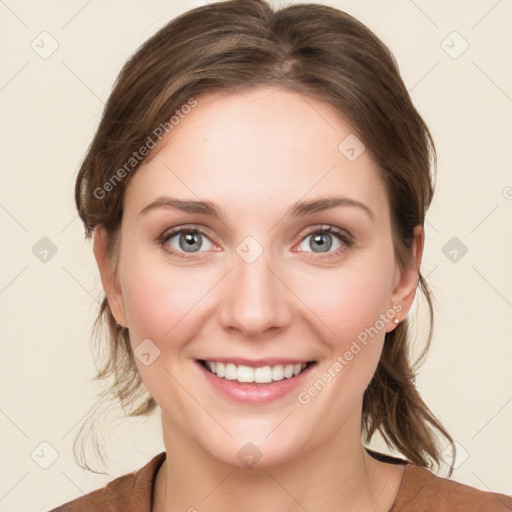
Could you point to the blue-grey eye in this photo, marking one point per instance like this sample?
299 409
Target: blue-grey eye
186 240
324 240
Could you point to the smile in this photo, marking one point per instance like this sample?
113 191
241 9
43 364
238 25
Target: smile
259 375
255 382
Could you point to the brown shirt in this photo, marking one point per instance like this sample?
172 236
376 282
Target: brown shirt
420 491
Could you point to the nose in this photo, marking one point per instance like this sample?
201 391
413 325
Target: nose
255 299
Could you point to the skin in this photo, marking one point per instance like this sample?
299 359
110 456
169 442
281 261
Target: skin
255 154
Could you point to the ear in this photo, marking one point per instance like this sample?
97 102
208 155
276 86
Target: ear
108 276
406 279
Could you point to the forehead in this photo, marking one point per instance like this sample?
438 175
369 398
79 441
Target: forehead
264 146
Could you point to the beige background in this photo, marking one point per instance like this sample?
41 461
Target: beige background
50 108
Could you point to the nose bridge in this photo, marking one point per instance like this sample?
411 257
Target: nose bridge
254 300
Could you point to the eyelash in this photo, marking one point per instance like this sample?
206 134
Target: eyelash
343 237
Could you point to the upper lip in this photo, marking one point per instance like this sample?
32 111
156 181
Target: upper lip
257 363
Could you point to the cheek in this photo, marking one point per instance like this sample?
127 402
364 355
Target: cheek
350 300
158 297
354 314
352 308
149 305
161 304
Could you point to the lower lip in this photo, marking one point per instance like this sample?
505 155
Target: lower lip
254 393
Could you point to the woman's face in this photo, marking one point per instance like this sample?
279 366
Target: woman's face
260 284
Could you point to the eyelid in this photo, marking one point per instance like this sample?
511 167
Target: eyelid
344 236
184 227
178 230
326 228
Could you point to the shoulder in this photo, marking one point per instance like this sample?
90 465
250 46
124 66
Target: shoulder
423 491
131 492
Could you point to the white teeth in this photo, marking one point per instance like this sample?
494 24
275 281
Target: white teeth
288 370
231 372
278 372
245 374
260 375
263 375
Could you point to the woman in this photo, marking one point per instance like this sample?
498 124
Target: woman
237 139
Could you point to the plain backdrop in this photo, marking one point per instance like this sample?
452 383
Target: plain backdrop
455 60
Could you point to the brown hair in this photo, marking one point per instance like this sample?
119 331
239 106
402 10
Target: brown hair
317 51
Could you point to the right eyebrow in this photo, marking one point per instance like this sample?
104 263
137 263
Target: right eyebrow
189 206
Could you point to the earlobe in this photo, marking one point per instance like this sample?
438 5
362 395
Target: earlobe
108 277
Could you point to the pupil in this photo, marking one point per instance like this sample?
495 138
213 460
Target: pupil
321 239
190 243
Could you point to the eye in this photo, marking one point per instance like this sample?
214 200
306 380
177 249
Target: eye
324 239
189 240
186 239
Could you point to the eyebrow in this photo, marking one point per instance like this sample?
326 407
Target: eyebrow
299 209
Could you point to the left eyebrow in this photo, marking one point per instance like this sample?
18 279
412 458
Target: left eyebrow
299 209
317 205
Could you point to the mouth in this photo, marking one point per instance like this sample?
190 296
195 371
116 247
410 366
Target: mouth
263 375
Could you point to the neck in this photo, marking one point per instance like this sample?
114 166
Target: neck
336 475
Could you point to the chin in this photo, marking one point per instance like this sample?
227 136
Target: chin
255 454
